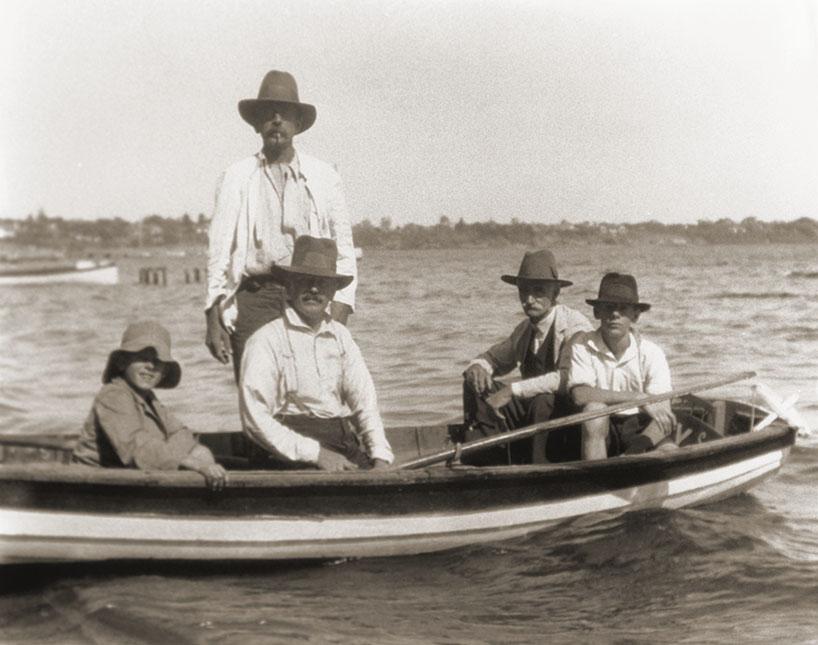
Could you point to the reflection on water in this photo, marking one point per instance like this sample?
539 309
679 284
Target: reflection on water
742 569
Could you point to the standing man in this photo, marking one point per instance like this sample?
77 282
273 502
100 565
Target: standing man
614 364
263 203
307 398
538 345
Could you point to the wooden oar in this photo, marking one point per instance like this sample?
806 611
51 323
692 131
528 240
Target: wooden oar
580 417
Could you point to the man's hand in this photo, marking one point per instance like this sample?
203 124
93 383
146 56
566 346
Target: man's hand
379 464
329 460
217 339
662 415
477 376
500 398
339 311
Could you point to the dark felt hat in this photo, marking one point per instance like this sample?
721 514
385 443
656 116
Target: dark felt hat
313 256
619 289
139 336
537 265
277 88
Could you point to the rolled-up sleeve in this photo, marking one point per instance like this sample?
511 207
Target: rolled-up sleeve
358 391
581 367
657 371
133 439
542 384
259 403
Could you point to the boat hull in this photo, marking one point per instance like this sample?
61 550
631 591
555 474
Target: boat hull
68 513
96 275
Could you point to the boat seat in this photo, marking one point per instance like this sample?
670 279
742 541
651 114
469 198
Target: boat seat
692 429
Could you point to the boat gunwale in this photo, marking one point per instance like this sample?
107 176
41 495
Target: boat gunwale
777 435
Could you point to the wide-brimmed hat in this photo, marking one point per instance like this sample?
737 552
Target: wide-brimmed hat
139 336
277 87
313 256
619 289
537 265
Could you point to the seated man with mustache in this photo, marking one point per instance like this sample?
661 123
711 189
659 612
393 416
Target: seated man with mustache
539 347
306 395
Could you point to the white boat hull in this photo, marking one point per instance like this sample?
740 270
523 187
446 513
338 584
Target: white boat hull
97 275
38 536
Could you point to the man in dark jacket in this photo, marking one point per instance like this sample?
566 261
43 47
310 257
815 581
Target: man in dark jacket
538 346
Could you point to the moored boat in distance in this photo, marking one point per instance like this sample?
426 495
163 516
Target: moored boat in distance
89 271
53 511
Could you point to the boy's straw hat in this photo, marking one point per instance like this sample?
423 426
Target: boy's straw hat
139 336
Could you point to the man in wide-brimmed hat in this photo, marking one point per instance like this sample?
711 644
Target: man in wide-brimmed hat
538 347
615 364
263 203
302 372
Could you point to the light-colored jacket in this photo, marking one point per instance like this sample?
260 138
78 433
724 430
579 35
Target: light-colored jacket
502 358
123 430
234 218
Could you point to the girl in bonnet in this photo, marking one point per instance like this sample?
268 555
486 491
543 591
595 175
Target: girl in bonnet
127 426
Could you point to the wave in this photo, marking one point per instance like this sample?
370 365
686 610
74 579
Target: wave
803 274
770 295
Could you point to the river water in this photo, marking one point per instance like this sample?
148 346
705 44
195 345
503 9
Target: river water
742 570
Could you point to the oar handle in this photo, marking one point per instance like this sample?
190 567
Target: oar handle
572 419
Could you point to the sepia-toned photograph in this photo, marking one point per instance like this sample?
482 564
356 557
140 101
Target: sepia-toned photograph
399 322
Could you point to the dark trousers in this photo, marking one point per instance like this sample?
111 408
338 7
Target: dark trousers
481 421
622 430
259 300
337 435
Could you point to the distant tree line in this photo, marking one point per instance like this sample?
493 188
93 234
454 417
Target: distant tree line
444 234
152 230
155 230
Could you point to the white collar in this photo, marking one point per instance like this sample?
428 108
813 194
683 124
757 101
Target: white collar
294 320
598 344
542 326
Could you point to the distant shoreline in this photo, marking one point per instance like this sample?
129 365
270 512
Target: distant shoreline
41 234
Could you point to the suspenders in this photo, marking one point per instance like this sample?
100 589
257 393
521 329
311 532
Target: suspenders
289 373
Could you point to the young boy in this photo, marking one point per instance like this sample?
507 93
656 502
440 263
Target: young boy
127 426
613 364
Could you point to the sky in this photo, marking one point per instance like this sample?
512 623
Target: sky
616 111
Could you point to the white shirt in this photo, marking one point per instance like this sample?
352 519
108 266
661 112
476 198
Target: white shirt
290 369
245 195
285 213
642 368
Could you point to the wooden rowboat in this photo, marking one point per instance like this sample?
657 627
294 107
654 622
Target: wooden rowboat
53 511
81 271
